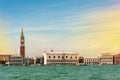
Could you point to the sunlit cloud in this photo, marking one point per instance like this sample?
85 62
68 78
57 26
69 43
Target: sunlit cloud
5 45
89 28
100 32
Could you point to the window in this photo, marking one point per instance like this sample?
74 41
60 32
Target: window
71 57
53 56
62 56
49 56
76 57
66 56
58 56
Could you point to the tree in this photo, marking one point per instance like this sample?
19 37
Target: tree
2 62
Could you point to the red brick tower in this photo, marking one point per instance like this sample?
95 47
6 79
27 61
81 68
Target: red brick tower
22 44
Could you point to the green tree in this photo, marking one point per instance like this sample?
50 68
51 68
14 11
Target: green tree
2 62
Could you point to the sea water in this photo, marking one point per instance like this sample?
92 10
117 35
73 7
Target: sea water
108 72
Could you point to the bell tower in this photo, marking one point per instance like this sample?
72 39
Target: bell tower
22 44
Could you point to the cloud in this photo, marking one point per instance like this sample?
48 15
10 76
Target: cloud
97 31
5 44
90 32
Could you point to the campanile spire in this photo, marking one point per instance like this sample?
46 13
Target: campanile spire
22 33
22 44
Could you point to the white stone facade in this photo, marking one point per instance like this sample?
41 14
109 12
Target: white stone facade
91 61
61 58
106 59
18 60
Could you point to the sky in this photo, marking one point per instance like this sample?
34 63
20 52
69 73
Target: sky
89 27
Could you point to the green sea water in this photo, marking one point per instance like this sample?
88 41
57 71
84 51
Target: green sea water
60 72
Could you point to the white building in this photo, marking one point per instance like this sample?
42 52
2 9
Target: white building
91 61
61 58
106 59
18 60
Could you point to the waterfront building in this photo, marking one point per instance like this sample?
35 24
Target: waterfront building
106 59
42 60
81 60
22 44
26 61
18 60
91 61
61 58
36 60
4 57
31 61
117 59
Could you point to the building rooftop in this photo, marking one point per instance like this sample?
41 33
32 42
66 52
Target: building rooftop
62 53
